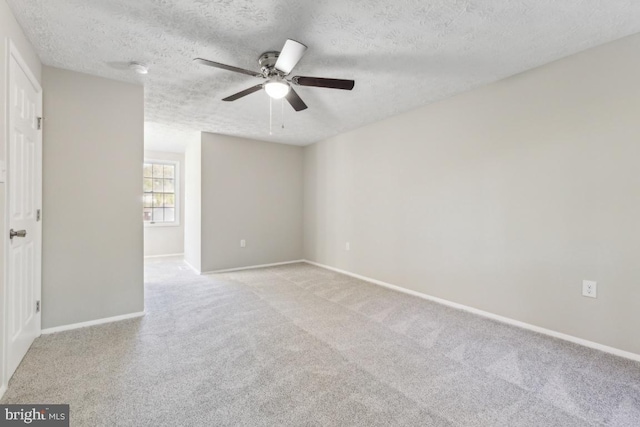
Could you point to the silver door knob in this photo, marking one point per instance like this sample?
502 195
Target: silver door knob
19 233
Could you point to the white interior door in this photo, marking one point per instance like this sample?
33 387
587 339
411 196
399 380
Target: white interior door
24 185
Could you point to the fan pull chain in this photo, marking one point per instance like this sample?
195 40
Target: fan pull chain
282 109
270 115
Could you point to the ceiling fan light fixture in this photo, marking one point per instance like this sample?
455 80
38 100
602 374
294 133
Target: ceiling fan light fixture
276 89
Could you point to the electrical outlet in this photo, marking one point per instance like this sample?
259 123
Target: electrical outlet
347 246
589 288
243 243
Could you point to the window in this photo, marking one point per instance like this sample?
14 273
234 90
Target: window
160 193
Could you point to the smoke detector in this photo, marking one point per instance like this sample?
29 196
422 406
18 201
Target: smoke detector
138 68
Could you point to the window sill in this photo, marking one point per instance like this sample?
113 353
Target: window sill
161 224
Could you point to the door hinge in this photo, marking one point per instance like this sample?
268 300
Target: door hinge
38 306
38 215
39 123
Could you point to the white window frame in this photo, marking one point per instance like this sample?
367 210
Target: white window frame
176 187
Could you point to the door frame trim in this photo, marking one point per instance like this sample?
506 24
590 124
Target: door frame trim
13 52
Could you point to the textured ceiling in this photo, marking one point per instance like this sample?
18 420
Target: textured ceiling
402 53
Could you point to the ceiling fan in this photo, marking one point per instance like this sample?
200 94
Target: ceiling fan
275 69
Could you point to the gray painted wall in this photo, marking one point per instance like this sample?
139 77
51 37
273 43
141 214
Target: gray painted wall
92 227
504 198
167 239
251 190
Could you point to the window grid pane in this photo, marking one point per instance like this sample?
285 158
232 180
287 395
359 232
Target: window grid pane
157 200
157 185
159 192
158 215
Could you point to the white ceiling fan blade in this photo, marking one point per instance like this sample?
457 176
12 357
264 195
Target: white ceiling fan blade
291 53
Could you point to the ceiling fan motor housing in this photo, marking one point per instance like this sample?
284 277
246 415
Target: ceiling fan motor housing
267 63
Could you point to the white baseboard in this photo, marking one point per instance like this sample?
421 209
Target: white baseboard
250 267
162 256
91 323
507 320
195 270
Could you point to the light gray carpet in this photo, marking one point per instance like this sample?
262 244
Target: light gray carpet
303 346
